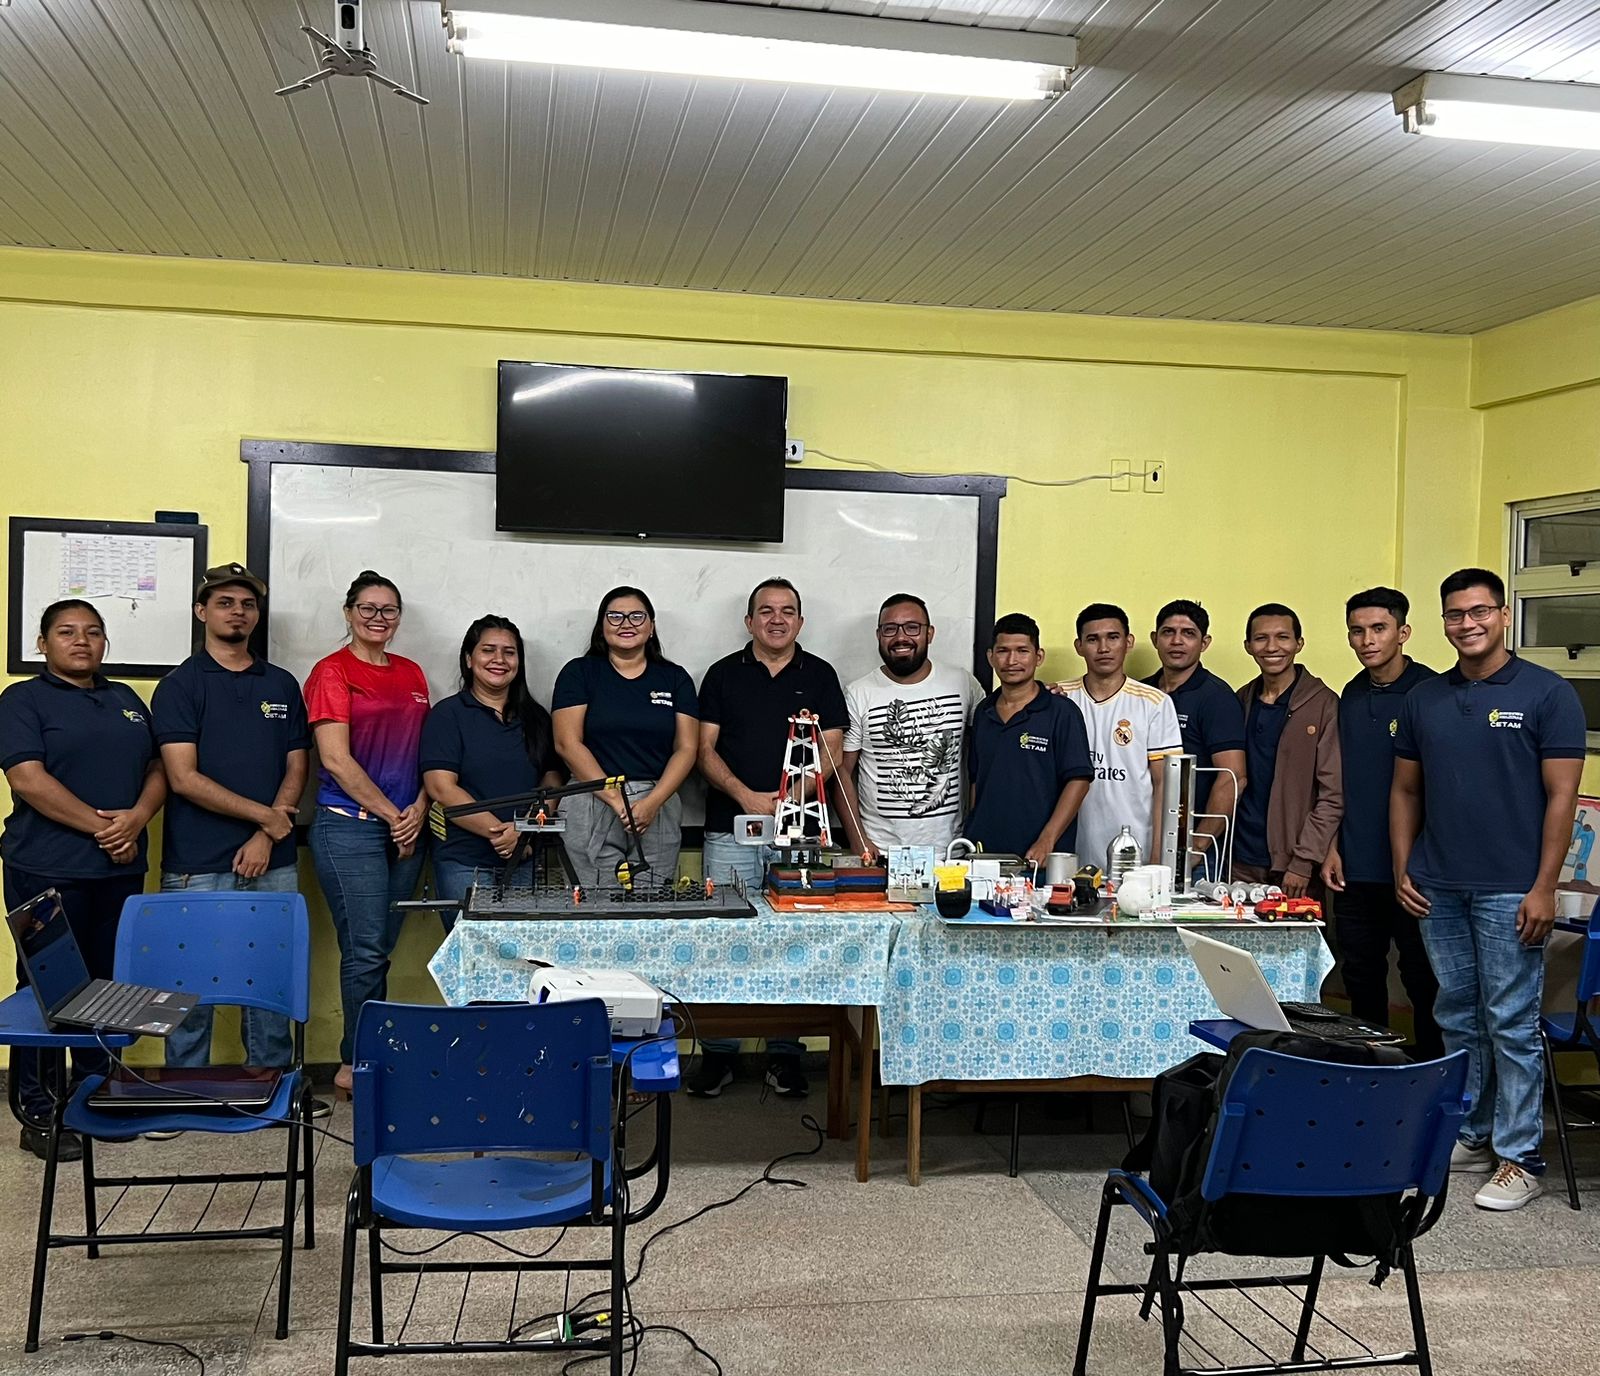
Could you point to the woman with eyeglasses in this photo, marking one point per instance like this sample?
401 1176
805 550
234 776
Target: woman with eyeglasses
86 778
490 740
624 708
366 707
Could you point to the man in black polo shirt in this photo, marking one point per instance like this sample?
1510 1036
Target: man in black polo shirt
746 701
233 738
1028 754
1360 867
1209 716
1487 762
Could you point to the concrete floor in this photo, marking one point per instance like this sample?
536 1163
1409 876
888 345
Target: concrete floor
973 1272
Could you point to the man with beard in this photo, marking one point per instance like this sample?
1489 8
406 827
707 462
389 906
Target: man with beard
746 700
901 781
233 737
1209 716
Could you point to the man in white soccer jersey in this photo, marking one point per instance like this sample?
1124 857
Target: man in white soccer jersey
906 742
1130 725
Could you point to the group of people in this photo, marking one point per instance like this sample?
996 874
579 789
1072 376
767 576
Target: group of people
1435 808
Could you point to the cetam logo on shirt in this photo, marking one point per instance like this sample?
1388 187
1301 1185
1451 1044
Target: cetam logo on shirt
275 711
419 697
1394 726
1499 717
661 697
1029 741
131 715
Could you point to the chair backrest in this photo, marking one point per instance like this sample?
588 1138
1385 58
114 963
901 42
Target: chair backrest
1292 1126
488 1077
245 948
1589 972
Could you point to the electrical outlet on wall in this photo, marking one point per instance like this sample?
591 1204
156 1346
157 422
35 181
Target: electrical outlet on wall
1122 475
794 451
1155 476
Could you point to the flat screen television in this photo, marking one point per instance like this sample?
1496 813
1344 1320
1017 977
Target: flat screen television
626 451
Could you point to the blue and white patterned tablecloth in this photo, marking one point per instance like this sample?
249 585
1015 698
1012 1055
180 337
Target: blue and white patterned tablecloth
1035 1002
815 959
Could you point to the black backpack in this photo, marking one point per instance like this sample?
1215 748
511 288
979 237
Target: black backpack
1174 1150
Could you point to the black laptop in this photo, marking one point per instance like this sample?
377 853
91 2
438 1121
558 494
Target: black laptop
67 996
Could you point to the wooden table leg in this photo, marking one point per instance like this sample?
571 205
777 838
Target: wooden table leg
914 1136
869 1036
838 1095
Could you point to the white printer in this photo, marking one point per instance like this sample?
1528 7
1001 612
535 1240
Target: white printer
633 1003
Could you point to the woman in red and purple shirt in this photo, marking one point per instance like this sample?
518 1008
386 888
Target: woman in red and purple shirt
366 708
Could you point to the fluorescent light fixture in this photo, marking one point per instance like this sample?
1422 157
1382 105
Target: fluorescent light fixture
765 43
1501 109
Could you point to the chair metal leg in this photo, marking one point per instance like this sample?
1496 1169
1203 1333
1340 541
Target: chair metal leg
1561 1121
374 1276
1308 1310
290 1193
91 1216
1171 1311
308 1172
1016 1137
619 1263
1127 1120
347 1281
1091 1291
1419 1329
41 1240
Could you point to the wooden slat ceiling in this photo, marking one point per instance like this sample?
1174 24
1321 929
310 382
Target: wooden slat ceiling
1215 160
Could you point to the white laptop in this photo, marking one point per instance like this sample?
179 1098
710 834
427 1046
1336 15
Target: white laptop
1241 991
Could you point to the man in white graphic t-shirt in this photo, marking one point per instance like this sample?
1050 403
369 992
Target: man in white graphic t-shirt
1130 724
902 779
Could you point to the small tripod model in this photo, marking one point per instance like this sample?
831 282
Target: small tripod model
800 797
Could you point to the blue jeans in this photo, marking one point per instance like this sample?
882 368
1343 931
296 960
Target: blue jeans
1490 986
452 879
362 878
267 1038
722 859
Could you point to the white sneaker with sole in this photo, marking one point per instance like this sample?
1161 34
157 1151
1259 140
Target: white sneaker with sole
1510 1187
1465 1158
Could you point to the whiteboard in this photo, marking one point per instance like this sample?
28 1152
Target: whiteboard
141 578
433 533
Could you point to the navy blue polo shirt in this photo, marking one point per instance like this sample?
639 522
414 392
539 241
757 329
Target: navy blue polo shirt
1210 719
751 707
243 724
489 758
630 723
1019 767
1369 719
96 743
1262 732
1480 744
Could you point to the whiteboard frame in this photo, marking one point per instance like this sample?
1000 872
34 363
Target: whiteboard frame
261 455
20 625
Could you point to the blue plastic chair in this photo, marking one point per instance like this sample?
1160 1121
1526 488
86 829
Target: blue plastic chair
1574 1031
1296 1128
243 948
493 1080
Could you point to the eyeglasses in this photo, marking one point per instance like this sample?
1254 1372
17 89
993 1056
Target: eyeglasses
371 611
890 629
627 618
1481 613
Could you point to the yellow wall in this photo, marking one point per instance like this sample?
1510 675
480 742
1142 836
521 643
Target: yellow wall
1537 384
1301 464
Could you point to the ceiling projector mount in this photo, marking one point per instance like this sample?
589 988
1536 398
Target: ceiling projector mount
346 54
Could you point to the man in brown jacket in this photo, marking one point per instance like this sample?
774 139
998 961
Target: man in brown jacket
1292 805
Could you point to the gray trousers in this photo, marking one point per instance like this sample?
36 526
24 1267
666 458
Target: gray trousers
596 841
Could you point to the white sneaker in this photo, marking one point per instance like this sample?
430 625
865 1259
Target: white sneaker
1510 1187
1465 1158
